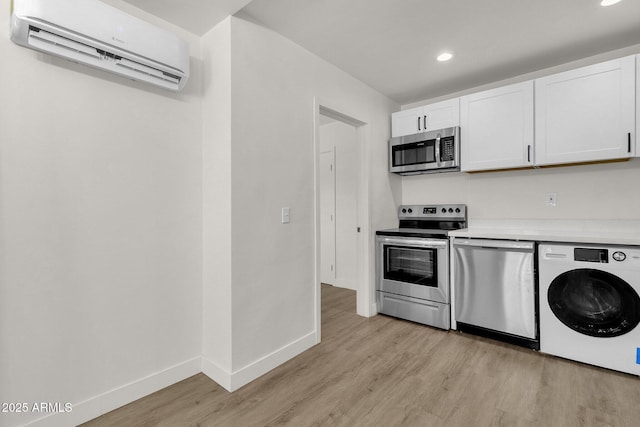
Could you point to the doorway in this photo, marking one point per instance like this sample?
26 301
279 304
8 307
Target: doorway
338 181
342 217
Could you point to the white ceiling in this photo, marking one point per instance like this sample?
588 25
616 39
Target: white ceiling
196 16
391 44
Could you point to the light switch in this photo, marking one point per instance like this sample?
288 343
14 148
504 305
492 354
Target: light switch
286 215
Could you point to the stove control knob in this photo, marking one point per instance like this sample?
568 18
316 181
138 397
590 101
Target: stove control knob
404 210
457 210
410 210
444 210
450 210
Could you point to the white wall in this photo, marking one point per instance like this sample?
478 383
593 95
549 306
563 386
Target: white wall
272 277
344 139
100 234
272 126
598 192
217 221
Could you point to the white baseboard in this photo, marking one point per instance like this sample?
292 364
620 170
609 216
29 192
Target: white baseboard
106 402
217 374
233 381
271 361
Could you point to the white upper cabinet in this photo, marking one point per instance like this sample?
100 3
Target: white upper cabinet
586 114
497 128
426 118
406 122
442 115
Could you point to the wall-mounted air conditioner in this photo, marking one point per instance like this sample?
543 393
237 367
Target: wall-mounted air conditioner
95 34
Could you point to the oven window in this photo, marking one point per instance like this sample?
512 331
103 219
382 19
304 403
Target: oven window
411 265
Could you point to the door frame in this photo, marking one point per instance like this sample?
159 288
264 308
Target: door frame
364 290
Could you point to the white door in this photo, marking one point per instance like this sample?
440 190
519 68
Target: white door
497 128
327 217
586 114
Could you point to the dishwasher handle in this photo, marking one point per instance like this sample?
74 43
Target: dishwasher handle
495 244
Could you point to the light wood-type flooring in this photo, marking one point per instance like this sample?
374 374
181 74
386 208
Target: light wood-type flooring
388 372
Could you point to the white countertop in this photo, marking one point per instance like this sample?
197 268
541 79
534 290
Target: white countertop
625 232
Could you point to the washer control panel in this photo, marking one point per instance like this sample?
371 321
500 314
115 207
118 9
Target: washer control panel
628 255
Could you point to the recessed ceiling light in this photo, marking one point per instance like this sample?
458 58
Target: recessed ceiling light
609 2
445 56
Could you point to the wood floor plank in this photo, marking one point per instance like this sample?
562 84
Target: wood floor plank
388 372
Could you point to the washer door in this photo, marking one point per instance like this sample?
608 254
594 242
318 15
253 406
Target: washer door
594 303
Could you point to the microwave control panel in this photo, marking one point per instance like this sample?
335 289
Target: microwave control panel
447 149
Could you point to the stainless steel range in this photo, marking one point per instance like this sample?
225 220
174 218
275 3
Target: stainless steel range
412 264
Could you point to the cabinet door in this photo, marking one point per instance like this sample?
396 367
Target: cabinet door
441 115
586 114
497 128
406 122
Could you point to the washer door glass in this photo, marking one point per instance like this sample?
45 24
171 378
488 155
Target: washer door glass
594 303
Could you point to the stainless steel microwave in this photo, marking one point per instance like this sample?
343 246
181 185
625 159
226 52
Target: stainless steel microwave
426 152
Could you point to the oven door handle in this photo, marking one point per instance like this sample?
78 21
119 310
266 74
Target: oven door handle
426 243
404 301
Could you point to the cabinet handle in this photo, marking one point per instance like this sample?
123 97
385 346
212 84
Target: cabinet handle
424 122
629 141
528 153
419 123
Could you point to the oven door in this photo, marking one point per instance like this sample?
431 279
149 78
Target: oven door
413 267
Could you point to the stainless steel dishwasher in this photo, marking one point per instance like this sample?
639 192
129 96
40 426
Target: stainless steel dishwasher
495 290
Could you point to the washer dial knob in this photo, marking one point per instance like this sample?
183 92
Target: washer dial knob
619 256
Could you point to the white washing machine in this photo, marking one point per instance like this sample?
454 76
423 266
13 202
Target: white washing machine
590 304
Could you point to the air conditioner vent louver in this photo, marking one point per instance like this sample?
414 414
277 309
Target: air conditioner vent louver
95 34
151 72
40 38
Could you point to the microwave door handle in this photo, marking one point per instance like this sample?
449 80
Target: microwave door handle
438 149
